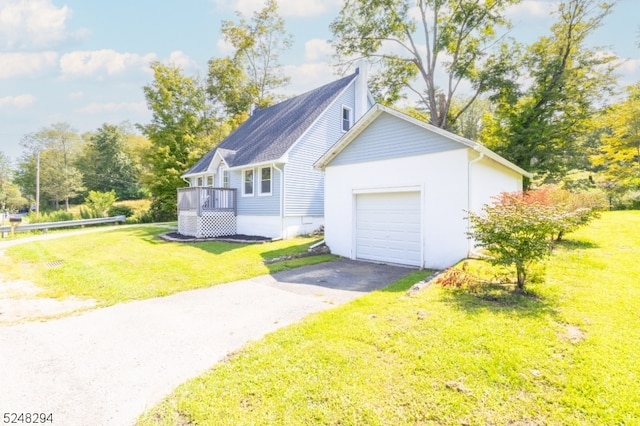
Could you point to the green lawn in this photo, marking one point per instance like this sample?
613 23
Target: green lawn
131 263
568 353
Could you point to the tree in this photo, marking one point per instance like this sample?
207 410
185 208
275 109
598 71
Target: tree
99 203
618 156
182 129
457 35
5 179
10 196
107 165
55 148
543 119
519 228
253 73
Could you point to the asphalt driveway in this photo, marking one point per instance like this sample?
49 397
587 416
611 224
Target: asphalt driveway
107 366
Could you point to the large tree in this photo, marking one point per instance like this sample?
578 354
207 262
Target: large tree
181 131
50 155
618 156
414 43
253 73
106 163
544 118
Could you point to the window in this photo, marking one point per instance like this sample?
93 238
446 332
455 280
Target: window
209 180
225 178
247 188
346 118
199 182
265 181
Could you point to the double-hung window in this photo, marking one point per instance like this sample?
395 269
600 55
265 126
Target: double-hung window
346 118
225 178
265 181
247 185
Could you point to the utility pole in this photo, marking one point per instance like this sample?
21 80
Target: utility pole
38 183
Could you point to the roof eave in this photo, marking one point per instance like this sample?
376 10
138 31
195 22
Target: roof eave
377 109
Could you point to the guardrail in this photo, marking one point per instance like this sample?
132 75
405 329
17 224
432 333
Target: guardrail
64 224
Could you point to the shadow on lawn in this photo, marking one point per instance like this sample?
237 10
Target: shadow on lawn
500 300
576 244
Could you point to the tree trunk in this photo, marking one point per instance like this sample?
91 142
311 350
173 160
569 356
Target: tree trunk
522 276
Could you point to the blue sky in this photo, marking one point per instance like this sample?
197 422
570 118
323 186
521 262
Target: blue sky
85 62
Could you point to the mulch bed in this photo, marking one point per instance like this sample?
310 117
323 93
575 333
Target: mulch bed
237 238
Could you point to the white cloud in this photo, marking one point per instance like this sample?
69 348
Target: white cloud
308 76
110 107
532 9
33 24
317 50
20 101
76 95
26 64
97 62
286 8
225 47
182 60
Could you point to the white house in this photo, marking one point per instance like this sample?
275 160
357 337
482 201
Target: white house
260 180
397 190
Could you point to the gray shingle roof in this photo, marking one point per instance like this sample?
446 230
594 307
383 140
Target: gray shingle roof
270 132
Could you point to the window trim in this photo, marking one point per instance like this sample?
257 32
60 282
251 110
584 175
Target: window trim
226 178
244 183
260 180
342 120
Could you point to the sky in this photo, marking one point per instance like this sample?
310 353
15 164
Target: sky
86 62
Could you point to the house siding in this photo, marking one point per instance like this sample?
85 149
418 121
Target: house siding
390 137
304 193
441 178
257 205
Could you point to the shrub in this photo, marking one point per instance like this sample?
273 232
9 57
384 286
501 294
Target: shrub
55 216
85 213
120 210
459 278
518 228
99 203
514 232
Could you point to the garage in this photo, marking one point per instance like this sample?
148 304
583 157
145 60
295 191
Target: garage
388 227
398 190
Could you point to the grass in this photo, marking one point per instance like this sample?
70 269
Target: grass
565 353
131 263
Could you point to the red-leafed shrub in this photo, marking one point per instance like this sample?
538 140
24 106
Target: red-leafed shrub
518 228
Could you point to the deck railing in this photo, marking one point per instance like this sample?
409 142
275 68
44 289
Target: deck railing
203 199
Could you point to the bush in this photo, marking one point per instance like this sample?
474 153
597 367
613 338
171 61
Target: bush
55 216
99 203
514 232
518 228
120 210
85 213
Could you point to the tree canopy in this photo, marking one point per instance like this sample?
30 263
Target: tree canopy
182 129
57 147
543 118
253 72
106 164
415 42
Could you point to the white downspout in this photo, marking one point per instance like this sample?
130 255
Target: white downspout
470 249
281 200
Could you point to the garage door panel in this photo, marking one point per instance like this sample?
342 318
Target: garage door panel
388 227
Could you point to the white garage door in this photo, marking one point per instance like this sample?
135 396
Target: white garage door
388 227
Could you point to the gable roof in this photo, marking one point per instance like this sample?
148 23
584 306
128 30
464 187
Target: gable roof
269 133
378 109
